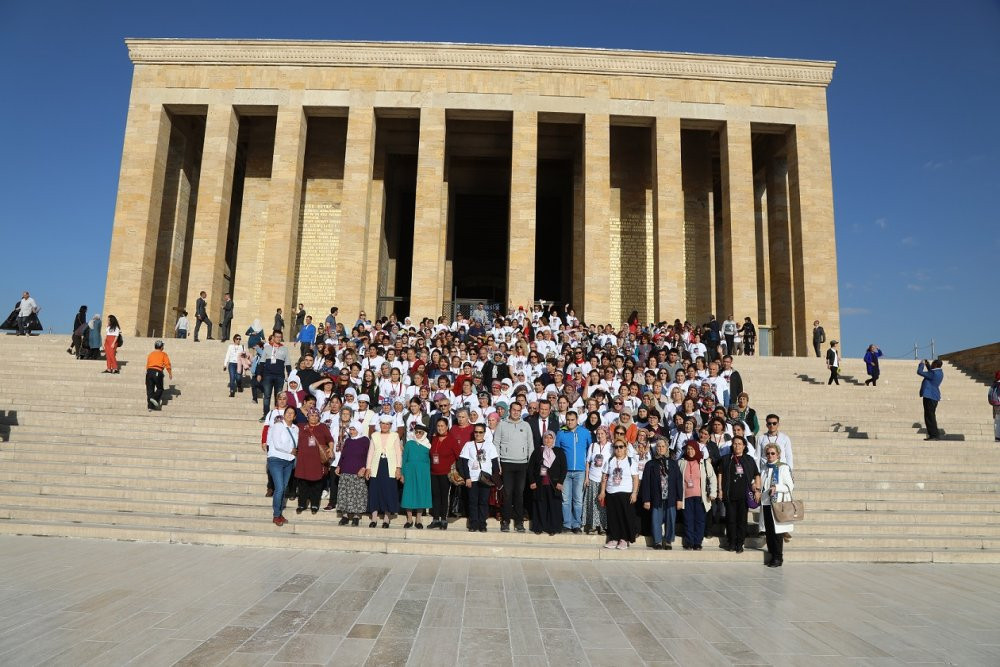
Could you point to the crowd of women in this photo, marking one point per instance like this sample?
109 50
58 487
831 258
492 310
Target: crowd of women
643 431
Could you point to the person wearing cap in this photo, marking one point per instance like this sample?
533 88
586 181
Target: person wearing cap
157 363
833 363
416 476
311 456
384 470
365 416
352 494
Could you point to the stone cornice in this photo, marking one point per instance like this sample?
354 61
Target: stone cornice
435 55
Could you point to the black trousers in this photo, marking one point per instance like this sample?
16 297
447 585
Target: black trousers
816 345
310 491
224 326
833 376
197 327
775 542
154 384
440 490
731 344
930 418
332 484
736 518
479 509
514 477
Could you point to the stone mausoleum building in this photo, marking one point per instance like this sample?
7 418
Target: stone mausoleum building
399 176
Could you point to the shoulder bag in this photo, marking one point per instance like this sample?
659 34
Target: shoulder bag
788 511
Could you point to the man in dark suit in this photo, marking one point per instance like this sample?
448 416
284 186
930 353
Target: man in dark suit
930 392
227 317
545 420
819 336
201 316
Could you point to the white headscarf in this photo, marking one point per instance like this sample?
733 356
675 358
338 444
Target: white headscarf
256 326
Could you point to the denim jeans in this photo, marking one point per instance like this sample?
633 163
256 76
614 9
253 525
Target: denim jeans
664 513
573 499
233 376
272 385
281 472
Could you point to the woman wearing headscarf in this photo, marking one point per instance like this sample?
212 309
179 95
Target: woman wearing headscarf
699 492
546 474
311 457
282 440
777 487
595 516
619 491
593 424
384 470
78 331
737 476
871 365
94 335
255 334
416 476
445 449
352 491
661 492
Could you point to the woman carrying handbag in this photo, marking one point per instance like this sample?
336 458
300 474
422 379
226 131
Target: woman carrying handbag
777 487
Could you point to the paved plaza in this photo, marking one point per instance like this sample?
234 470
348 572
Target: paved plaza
75 602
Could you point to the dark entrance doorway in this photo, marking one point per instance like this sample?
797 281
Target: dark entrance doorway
479 258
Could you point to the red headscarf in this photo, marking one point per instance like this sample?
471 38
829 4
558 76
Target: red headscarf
697 451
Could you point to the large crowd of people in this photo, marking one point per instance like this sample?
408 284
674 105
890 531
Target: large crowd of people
529 421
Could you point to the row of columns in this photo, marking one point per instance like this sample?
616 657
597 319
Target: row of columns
134 238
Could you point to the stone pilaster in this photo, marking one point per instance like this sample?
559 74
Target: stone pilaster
738 222
354 220
284 203
137 217
211 222
523 185
597 211
814 242
671 287
375 248
699 251
429 222
782 311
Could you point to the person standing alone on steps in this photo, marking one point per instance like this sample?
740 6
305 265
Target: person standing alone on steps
930 392
871 362
819 336
227 318
833 363
201 316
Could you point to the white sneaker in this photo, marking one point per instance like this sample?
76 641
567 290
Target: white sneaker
622 545
325 494
610 545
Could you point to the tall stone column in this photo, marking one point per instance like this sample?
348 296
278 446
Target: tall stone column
137 217
780 259
354 220
281 238
429 222
814 242
596 227
211 222
671 286
521 232
738 223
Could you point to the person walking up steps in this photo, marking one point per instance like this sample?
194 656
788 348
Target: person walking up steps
157 363
833 363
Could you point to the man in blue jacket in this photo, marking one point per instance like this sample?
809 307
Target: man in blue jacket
574 440
930 391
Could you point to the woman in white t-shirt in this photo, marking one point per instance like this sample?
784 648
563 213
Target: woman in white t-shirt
619 490
595 518
111 335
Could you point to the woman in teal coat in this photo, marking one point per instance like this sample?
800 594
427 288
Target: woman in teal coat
416 475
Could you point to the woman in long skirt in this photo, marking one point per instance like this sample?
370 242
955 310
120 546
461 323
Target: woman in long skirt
416 475
384 470
619 491
352 493
546 474
595 518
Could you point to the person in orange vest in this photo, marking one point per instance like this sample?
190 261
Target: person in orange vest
156 364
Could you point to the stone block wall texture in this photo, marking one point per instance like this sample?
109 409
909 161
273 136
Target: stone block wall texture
681 235
980 362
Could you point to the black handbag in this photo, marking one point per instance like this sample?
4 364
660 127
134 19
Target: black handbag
121 341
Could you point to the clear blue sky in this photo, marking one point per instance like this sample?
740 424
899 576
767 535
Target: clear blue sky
913 121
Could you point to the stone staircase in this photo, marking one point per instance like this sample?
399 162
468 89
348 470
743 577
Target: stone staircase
82 457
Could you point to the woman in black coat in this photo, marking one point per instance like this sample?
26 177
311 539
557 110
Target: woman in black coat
662 506
738 475
546 474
